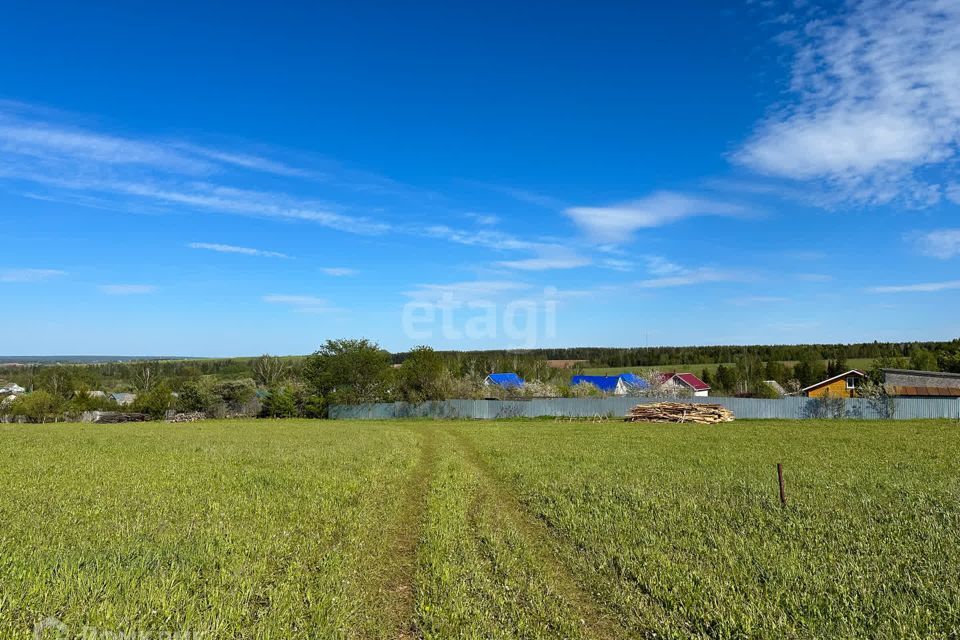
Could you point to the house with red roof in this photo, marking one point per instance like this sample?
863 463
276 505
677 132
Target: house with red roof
687 381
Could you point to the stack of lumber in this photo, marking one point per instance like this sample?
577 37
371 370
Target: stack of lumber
113 417
680 412
194 416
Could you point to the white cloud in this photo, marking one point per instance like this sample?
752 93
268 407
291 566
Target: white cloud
689 277
29 275
924 287
615 223
942 243
50 142
814 277
300 303
247 161
617 264
876 98
746 301
127 289
229 248
490 239
484 219
548 257
669 274
338 272
125 173
545 263
463 292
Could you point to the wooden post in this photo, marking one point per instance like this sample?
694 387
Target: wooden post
783 493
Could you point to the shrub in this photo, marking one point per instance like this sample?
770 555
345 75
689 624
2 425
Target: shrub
278 403
39 406
237 396
155 402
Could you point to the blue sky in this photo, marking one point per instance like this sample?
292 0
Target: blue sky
230 179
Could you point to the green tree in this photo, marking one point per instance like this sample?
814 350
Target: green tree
269 371
349 371
886 361
923 360
236 395
422 376
810 368
726 379
59 380
950 362
40 406
279 403
197 396
155 402
775 370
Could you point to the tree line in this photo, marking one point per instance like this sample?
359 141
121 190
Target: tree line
359 370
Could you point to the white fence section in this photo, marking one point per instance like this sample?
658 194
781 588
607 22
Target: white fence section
785 408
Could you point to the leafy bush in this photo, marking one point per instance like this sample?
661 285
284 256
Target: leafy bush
155 402
38 406
349 371
197 396
279 403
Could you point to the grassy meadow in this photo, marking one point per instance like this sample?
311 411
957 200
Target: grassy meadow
507 529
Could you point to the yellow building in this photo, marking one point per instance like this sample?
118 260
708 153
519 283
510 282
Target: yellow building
841 386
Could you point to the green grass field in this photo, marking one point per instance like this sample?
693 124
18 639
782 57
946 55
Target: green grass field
510 529
863 364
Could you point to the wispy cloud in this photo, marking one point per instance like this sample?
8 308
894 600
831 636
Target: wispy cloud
689 277
339 272
229 248
300 303
526 196
924 287
615 223
119 171
490 239
875 99
669 274
485 219
127 289
814 277
51 142
548 257
942 243
617 264
29 275
464 292
247 161
746 301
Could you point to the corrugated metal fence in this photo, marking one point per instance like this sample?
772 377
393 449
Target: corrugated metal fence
788 408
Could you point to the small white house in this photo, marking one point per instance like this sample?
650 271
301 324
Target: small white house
13 387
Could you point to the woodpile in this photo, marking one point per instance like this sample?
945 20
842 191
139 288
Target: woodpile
680 412
115 417
193 416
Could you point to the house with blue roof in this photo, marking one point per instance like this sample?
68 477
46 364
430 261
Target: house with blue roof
619 385
504 380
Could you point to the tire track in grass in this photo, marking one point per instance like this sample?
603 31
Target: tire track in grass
598 622
398 589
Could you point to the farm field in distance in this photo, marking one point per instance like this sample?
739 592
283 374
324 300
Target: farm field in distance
501 529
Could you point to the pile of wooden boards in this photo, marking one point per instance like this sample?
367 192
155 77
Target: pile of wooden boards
680 412
115 417
193 416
